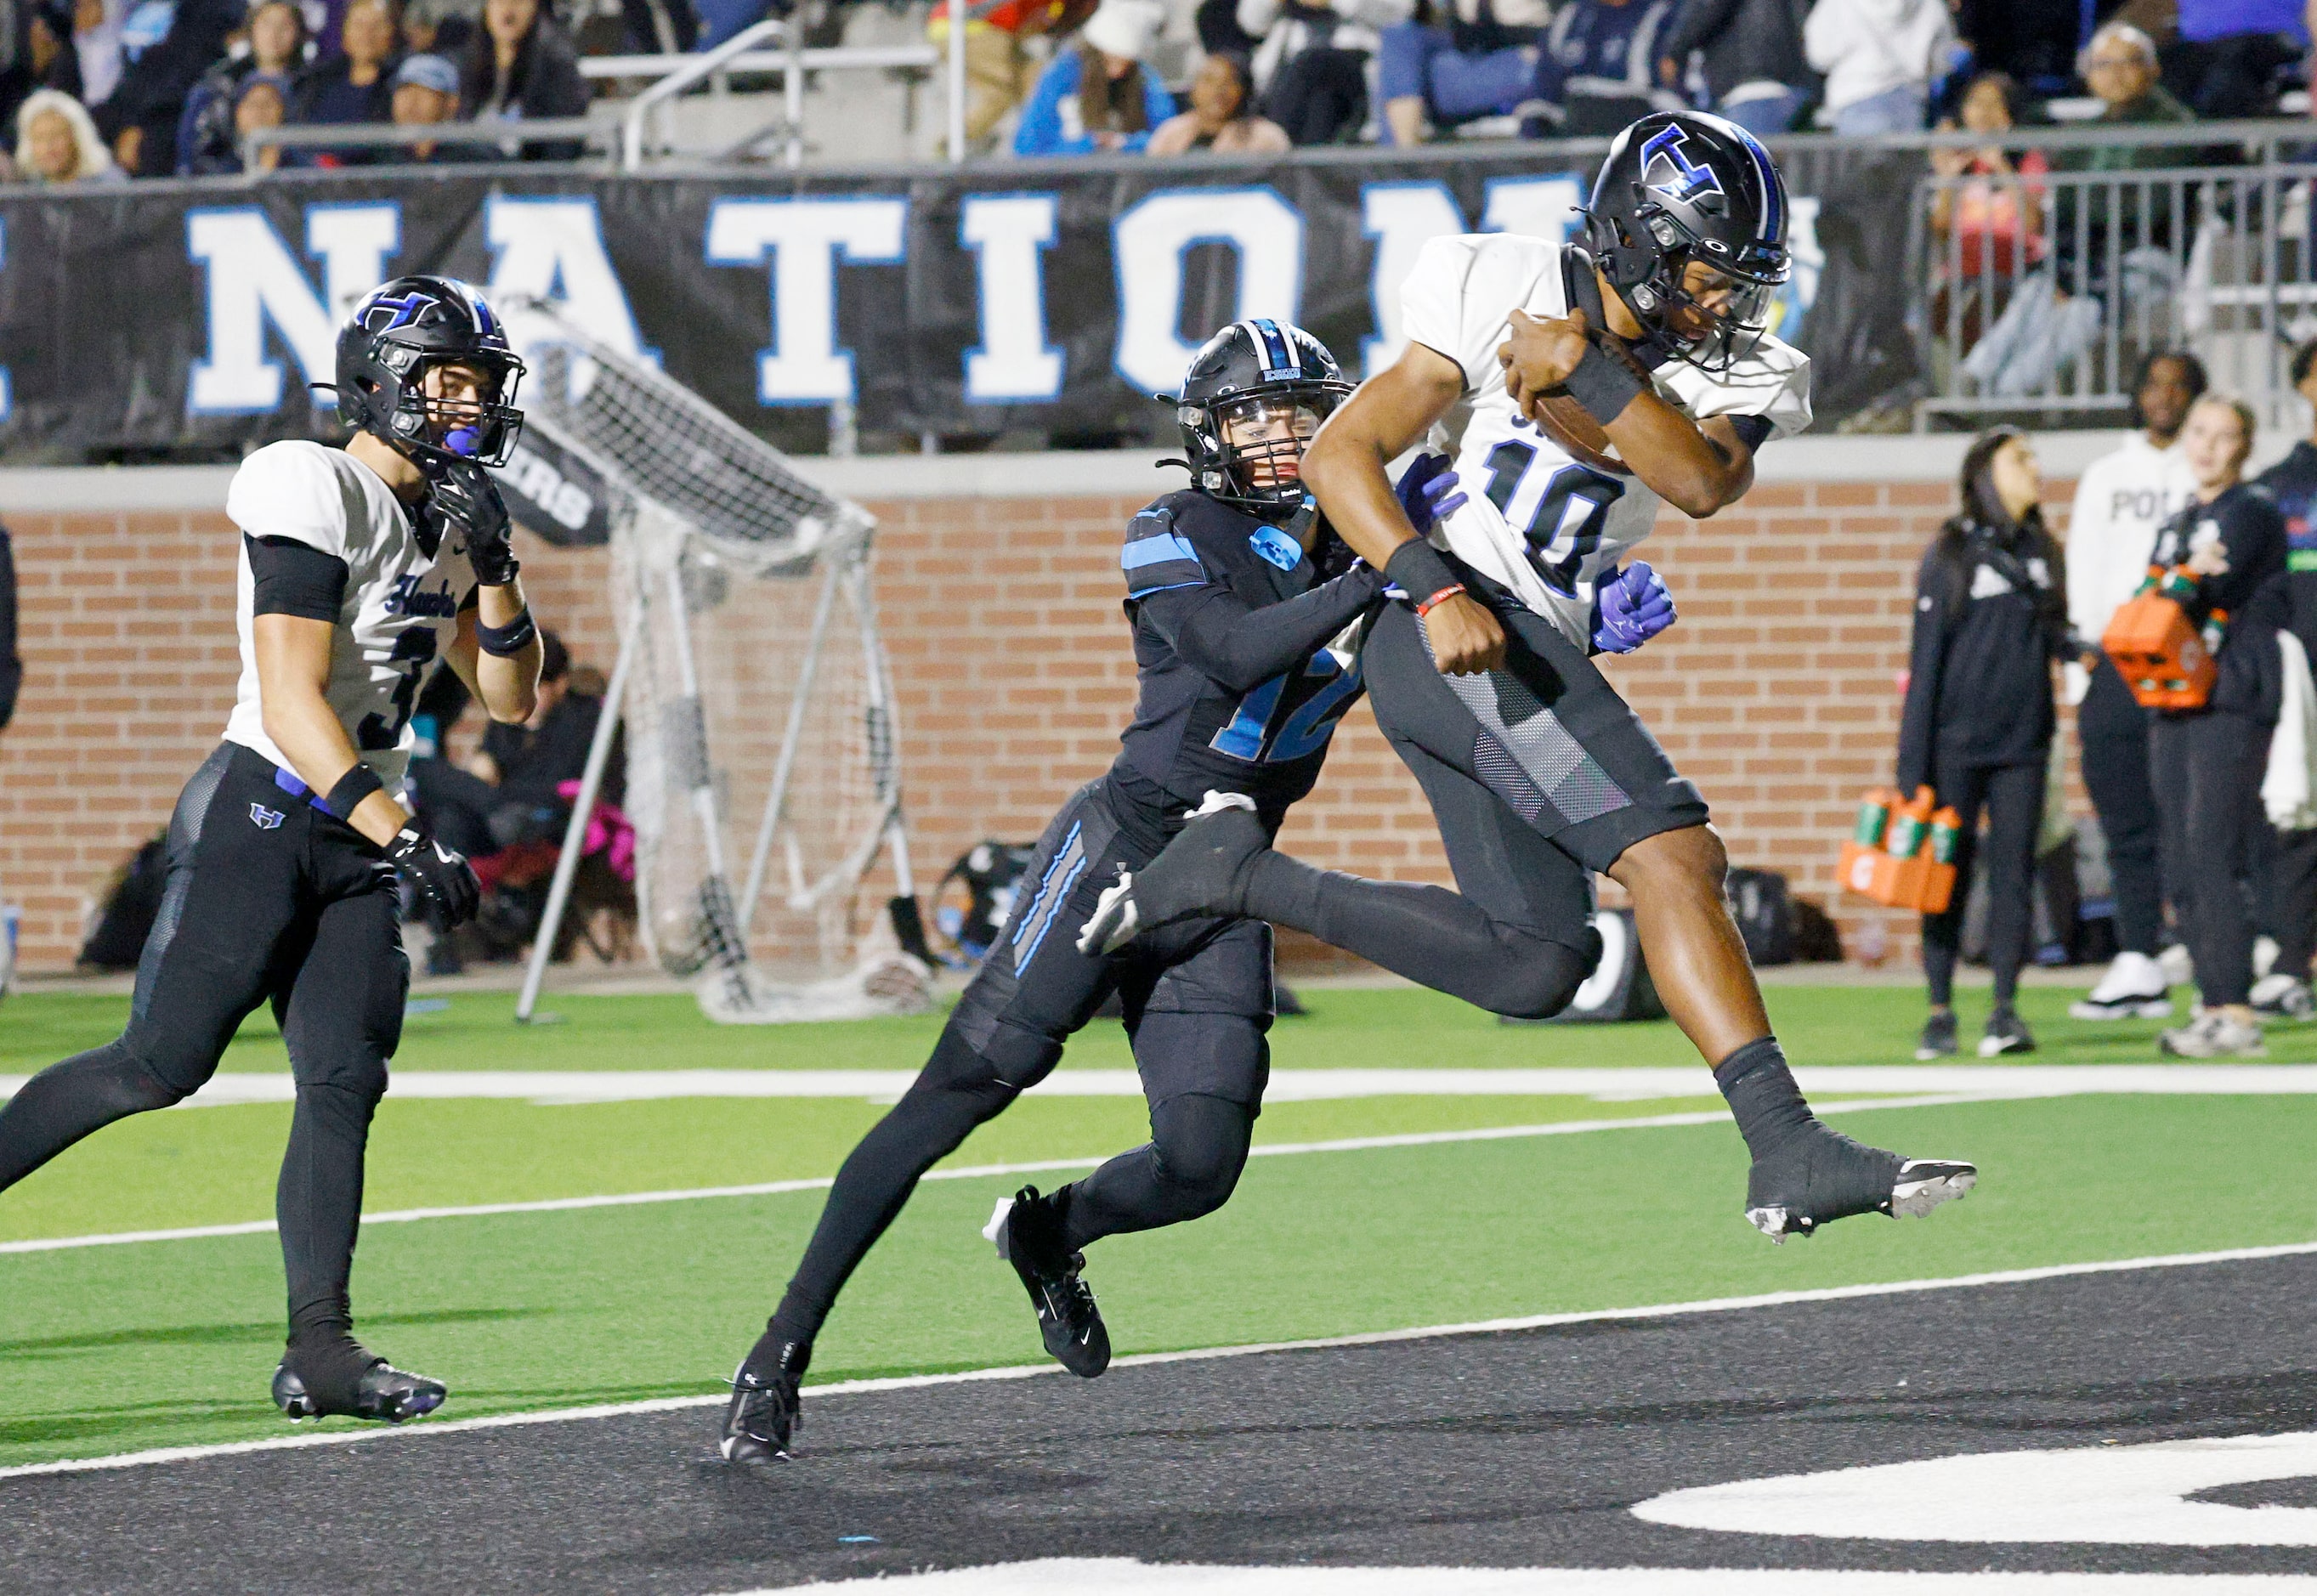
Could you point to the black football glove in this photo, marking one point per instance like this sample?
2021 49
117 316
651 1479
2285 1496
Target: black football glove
465 504
442 873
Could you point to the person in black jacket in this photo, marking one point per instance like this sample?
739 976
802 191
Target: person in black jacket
1750 52
1990 619
2206 765
2284 993
139 117
12 669
522 67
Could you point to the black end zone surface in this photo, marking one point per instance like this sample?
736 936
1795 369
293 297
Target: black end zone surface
1522 1448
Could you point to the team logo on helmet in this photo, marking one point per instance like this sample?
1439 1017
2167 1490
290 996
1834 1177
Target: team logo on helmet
1686 182
383 314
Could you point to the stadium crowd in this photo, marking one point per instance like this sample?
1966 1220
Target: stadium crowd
96 90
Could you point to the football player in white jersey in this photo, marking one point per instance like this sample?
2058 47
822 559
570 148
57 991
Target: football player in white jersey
1574 391
360 566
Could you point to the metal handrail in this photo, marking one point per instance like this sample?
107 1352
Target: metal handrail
701 67
867 57
399 135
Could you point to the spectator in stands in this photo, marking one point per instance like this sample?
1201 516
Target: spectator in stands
2033 42
1099 97
1219 119
36 53
2284 993
524 67
2119 65
166 45
57 142
1750 54
658 27
999 70
354 85
2206 763
1310 67
1457 62
12 677
446 27
1991 620
1879 57
2228 56
2122 499
1987 218
276 44
1597 69
263 101
425 93
96 48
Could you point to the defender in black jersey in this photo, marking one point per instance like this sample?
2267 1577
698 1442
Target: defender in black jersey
1232 612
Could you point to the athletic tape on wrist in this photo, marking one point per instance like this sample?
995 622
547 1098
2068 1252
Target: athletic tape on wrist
509 639
1419 569
1603 385
352 787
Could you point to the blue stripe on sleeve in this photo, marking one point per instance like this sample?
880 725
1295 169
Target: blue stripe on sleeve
1146 551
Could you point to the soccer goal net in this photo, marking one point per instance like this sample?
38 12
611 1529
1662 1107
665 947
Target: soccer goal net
755 700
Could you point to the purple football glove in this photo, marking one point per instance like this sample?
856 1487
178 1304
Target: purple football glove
1633 607
1429 492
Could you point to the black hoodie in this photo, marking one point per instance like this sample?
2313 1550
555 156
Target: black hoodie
1990 620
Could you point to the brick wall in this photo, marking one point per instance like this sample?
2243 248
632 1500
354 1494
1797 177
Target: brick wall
1776 693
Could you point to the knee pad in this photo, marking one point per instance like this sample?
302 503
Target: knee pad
1540 977
1202 1144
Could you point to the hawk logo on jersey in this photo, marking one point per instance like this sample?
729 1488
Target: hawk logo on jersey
264 819
1686 181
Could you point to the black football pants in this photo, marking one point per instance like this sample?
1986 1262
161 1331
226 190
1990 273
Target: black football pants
267 898
2206 768
1197 1002
2111 731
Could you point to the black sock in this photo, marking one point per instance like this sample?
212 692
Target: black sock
774 1353
317 1205
1763 1098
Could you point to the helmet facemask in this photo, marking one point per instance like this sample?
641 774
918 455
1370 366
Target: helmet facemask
1262 439
438 430
1713 323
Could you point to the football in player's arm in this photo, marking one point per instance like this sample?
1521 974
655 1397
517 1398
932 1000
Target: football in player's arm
1575 389
359 567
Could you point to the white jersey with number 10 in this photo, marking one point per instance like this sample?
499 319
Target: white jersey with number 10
1536 521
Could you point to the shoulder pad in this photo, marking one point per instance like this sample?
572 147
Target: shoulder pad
1156 555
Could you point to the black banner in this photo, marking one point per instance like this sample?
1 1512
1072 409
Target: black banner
183 320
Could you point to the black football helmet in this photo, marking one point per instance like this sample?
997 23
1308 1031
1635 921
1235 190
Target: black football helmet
384 351
1252 370
1681 186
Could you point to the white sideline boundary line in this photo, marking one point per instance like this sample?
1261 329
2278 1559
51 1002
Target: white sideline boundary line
561 1205
1716 1304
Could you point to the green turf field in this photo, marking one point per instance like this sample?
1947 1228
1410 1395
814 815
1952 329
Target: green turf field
126 1346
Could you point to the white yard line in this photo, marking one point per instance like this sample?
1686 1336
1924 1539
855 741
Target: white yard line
1299 1085
1719 1305
557 1204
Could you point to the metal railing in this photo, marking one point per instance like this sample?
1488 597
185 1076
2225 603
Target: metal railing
508 137
2037 292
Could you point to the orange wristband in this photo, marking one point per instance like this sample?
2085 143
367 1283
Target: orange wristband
1445 593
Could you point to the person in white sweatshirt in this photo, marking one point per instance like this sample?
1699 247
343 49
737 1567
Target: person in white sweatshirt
2121 501
1879 57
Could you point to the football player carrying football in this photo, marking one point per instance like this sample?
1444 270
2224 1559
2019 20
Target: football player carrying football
360 566
1574 389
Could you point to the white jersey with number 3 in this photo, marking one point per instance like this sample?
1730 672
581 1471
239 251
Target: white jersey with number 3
1535 519
401 604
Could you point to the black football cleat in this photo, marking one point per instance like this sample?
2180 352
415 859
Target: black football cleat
380 1391
1203 872
1819 1175
1028 1235
762 1415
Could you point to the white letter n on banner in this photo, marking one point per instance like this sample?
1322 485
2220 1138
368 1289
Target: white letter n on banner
806 239
1148 243
253 279
1008 234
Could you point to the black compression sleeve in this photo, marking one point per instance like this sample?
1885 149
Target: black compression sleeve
1752 429
1220 635
294 578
